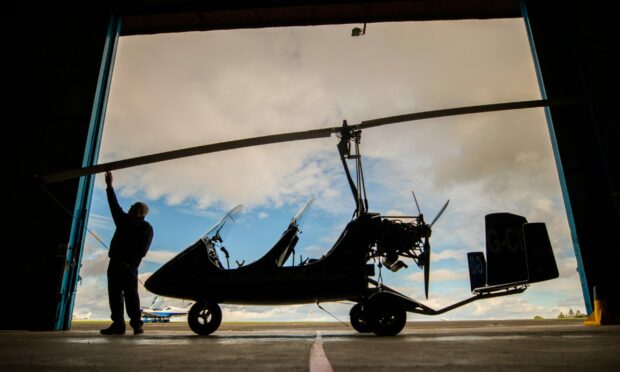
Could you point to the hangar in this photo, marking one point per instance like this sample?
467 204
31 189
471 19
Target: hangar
59 63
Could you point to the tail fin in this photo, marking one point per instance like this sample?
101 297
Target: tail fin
506 255
156 303
540 260
518 253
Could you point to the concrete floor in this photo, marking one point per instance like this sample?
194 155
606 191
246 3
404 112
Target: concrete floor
472 345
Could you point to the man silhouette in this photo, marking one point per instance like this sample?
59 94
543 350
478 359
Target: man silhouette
129 244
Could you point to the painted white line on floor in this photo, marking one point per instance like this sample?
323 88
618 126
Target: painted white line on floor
318 360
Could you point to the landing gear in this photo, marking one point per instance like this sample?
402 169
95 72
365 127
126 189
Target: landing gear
381 320
359 319
387 321
204 318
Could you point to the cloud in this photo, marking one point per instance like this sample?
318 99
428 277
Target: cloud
262 215
440 275
171 87
448 254
266 313
395 212
314 251
99 222
94 262
92 298
158 256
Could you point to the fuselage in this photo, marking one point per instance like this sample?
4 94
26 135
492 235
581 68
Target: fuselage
341 274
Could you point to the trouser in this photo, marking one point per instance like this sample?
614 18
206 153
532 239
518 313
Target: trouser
123 291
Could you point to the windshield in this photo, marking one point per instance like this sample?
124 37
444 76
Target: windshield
222 228
300 216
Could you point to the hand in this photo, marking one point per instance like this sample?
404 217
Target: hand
108 178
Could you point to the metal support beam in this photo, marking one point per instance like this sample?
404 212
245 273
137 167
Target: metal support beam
91 153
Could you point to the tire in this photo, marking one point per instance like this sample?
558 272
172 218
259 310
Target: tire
359 319
204 318
387 321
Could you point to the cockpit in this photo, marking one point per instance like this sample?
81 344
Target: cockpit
277 256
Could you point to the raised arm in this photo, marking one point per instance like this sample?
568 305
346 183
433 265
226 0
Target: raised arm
117 212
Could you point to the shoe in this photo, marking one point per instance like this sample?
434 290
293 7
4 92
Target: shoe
113 330
137 331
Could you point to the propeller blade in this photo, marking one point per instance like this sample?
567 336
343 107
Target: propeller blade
440 213
294 136
427 266
416 202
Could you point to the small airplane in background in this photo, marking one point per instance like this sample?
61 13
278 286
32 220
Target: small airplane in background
157 312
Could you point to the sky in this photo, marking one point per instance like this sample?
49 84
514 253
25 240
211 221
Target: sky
173 91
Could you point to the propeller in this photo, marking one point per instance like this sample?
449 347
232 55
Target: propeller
425 257
427 265
440 213
427 249
294 136
416 203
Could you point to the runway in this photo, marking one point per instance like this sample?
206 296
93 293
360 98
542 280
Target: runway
449 345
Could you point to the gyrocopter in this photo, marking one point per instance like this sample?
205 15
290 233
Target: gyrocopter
518 253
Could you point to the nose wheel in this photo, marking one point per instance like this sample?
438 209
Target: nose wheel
204 318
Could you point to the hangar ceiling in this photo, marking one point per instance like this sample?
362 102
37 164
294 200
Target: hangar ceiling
148 17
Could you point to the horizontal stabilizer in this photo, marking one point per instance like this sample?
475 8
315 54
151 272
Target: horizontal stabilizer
540 260
477 270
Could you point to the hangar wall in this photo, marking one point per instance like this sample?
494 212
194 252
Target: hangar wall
53 65
578 56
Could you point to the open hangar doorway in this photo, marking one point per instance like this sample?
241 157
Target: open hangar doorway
455 151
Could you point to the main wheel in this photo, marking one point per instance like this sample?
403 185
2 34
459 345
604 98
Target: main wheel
358 319
204 318
387 321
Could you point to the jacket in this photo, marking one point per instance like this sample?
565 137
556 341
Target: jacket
133 236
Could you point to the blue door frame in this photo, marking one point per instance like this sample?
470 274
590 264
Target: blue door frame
91 153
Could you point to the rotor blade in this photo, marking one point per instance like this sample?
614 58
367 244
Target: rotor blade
295 136
463 111
191 151
440 213
416 202
427 266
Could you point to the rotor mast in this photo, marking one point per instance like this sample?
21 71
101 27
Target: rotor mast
350 135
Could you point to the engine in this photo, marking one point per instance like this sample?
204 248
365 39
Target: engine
400 238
